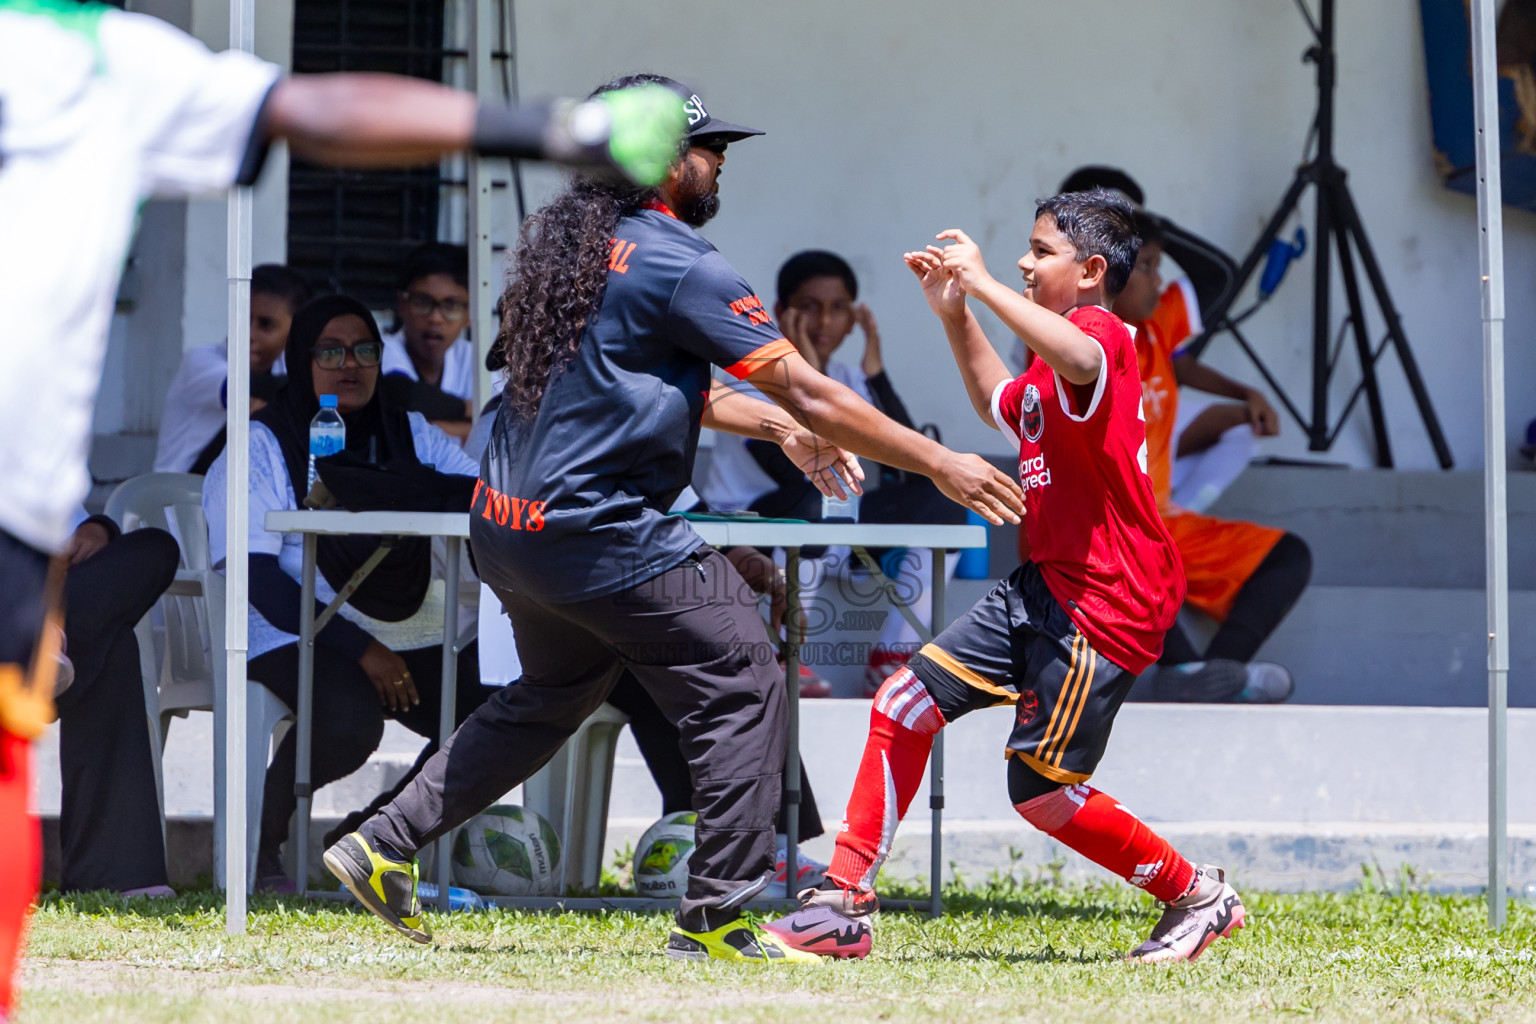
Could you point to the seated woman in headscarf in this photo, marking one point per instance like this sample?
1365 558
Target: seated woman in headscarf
381 657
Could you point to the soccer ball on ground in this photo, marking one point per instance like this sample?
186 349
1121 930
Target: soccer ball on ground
661 859
507 851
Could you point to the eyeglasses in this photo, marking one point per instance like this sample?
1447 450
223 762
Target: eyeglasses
715 146
334 357
424 305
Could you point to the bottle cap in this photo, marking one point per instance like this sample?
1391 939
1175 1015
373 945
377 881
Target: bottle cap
327 401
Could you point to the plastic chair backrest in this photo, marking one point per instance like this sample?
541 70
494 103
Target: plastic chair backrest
193 641
172 502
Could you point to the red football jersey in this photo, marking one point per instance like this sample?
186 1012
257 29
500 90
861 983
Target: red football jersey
1090 517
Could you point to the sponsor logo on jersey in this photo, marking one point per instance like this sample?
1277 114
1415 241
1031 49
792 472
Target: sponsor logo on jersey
1034 473
506 510
1031 415
752 308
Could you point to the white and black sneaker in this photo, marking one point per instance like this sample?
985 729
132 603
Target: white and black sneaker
1191 923
1266 683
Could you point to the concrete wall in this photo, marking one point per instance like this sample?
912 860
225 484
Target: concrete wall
888 122
174 294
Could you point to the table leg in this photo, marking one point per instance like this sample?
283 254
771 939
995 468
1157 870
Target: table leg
445 722
304 714
792 683
936 760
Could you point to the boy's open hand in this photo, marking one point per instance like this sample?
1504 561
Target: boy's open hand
945 296
974 482
962 259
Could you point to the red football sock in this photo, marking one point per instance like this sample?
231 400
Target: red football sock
901 727
1096 826
21 859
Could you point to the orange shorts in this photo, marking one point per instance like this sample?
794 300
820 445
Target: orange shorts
1219 555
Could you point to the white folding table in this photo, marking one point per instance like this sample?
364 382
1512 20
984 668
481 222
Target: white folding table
454 528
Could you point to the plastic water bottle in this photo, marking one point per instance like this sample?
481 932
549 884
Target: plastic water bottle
973 564
327 434
458 899
840 510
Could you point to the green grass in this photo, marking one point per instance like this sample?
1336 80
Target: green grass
1006 952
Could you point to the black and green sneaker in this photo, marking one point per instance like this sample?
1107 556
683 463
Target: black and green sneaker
740 940
386 887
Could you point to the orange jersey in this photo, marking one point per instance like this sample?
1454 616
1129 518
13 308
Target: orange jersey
1218 554
1175 321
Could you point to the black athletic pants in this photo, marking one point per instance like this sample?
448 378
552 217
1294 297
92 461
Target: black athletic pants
660 744
109 816
706 660
1264 599
349 722
24 570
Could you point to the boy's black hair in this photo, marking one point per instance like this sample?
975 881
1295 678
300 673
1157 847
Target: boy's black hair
803 266
430 258
1148 228
280 282
1097 223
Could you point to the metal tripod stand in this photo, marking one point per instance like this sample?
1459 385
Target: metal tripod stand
1338 228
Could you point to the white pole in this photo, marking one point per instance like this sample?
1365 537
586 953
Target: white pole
1490 220
484 281
242 36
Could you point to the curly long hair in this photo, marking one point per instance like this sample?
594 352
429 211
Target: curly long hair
560 272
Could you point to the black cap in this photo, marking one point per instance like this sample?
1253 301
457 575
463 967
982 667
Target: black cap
702 124
1097 176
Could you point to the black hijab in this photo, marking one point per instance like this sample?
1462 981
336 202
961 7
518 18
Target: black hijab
377 433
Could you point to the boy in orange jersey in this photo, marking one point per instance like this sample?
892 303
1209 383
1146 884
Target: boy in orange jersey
1243 575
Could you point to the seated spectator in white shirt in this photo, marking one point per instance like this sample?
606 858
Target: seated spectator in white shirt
429 365
381 656
192 426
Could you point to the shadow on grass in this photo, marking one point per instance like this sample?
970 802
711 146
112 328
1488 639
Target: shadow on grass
1044 955
187 904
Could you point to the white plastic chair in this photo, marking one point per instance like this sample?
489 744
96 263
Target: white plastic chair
183 666
572 791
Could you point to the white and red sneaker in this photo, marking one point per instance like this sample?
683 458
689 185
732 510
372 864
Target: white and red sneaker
1191 923
837 923
812 685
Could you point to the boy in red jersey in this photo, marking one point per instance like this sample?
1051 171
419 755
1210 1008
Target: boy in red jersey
1064 636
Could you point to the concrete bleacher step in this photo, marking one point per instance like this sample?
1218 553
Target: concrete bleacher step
1401 645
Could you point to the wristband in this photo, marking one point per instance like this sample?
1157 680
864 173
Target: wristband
637 131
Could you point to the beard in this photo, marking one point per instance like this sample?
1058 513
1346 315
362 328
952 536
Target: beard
698 199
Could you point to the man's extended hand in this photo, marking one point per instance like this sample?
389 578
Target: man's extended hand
974 482
834 471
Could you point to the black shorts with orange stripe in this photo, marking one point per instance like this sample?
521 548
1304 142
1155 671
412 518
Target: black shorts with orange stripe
1018 646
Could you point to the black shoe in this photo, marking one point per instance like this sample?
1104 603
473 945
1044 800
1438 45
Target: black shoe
1215 681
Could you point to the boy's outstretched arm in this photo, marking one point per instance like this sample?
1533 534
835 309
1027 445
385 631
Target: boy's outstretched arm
1076 357
980 366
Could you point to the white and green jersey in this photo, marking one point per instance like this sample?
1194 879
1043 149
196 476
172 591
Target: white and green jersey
99 110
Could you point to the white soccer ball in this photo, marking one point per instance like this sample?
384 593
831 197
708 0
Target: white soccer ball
507 851
661 859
